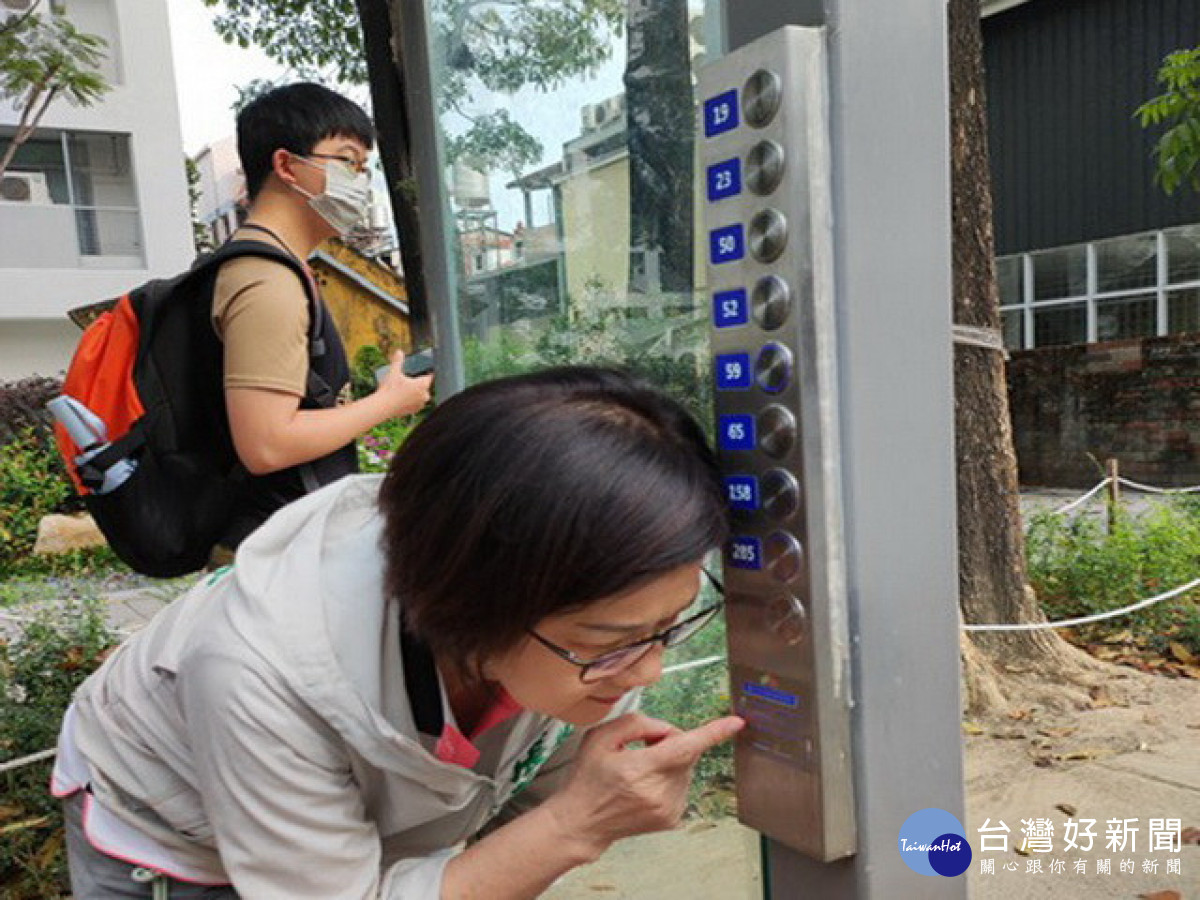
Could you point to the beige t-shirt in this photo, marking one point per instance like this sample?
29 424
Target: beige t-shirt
260 312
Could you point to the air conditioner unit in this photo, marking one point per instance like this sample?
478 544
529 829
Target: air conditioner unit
598 115
24 187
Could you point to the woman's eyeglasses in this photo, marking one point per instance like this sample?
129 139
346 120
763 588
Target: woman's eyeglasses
609 664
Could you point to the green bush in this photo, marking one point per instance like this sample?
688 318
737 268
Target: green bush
33 483
362 372
39 671
1080 567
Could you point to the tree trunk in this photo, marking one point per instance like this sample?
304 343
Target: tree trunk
661 126
992 579
385 73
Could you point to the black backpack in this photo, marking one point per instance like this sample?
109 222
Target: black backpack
164 480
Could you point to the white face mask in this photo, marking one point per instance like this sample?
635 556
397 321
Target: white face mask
346 198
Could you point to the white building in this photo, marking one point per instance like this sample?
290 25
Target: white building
97 199
222 189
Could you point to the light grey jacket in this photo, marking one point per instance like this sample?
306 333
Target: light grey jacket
259 725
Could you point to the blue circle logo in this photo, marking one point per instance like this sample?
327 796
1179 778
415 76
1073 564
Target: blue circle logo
932 842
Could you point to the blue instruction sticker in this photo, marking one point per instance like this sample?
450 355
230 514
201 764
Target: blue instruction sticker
725 179
737 432
727 244
733 372
730 308
721 113
770 694
742 492
745 553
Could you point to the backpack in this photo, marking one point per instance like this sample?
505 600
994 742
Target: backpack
155 464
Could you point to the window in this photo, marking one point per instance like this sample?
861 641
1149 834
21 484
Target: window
1133 286
69 200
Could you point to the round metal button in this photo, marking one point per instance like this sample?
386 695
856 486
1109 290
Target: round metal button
773 368
780 494
770 302
783 555
768 235
785 617
764 167
776 431
761 97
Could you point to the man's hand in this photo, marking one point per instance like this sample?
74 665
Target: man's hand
632 777
404 395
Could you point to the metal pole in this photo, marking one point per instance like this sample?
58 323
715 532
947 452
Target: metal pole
891 208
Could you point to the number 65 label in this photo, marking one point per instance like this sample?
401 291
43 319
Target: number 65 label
737 432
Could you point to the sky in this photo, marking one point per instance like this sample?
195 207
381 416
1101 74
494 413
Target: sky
208 72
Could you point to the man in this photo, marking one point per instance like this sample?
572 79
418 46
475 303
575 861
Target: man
304 151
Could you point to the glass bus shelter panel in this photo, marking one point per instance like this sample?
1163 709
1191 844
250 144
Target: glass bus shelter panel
567 141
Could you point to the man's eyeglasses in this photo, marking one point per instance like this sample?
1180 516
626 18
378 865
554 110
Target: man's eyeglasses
614 661
355 165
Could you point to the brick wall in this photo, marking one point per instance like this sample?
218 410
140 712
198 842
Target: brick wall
1137 401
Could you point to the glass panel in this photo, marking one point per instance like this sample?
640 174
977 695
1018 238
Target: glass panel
1060 273
1062 324
109 232
1008 273
1127 262
101 173
1126 317
567 134
573 236
1183 310
1183 254
1012 323
36 174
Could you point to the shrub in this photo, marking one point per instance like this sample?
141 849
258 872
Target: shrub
23 405
33 483
1080 567
39 671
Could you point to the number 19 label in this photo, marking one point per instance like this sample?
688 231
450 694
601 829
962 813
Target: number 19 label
721 113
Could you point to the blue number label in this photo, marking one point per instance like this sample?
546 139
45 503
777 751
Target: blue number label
730 308
721 113
737 432
727 244
733 372
742 491
745 553
725 179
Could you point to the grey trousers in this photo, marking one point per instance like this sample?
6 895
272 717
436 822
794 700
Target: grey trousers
95 876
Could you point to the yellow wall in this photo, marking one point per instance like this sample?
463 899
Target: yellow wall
595 210
361 317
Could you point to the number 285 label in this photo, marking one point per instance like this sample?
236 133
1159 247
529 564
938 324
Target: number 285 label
745 553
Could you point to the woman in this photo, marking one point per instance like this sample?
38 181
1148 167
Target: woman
392 665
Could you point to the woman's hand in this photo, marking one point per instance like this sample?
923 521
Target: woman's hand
632 777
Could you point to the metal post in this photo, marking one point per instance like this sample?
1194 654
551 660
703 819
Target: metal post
891 208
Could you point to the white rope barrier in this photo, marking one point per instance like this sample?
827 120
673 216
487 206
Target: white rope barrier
1079 501
694 664
26 760
1150 489
1087 620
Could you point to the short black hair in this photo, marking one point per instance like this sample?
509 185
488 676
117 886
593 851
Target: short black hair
534 495
295 117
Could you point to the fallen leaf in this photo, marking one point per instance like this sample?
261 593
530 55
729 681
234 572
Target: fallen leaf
1190 836
1021 848
972 729
11 812
1066 808
1182 653
49 852
1057 732
1161 895
702 825
1043 761
1012 734
1081 754
25 823
1018 714
602 887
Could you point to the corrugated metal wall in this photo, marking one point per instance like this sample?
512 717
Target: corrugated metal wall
1069 161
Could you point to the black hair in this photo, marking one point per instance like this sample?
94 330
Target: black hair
534 495
295 117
